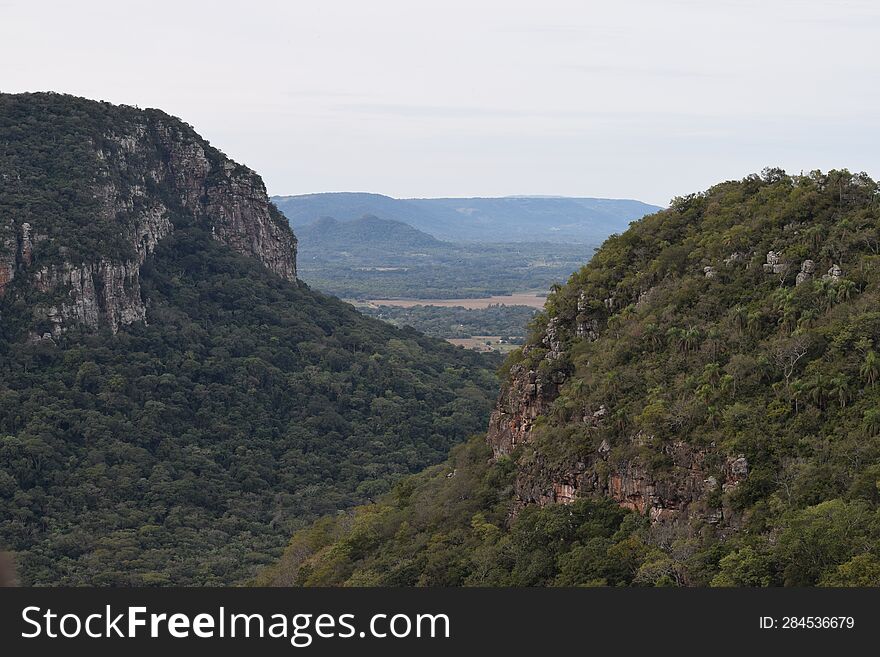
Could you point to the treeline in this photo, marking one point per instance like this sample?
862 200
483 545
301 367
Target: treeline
509 322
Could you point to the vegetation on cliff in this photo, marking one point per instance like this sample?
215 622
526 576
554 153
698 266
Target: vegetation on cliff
714 370
186 449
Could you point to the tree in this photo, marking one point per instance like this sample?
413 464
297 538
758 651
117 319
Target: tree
863 570
817 388
870 369
744 567
787 352
871 421
839 388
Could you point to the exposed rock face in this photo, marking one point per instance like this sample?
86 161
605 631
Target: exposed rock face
587 327
775 263
151 170
232 198
526 396
835 273
808 268
681 493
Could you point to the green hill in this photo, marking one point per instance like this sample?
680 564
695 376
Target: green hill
697 406
173 402
364 233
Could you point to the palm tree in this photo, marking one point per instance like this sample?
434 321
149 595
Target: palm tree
691 338
806 319
871 421
796 392
845 290
870 369
727 383
713 414
817 388
755 322
676 335
827 292
712 374
839 387
705 392
787 310
652 335
740 316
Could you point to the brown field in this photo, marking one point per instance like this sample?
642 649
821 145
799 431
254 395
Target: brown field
520 299
478 343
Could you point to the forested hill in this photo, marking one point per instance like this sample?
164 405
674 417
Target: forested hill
506 219
173 403
367 232
699 405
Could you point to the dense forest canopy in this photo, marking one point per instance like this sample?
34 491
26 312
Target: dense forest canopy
185 449
740 325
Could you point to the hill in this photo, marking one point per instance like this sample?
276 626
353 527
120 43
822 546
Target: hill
697 406
508 219
367 232
372 258
173 402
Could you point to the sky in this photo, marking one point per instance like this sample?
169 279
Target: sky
645 99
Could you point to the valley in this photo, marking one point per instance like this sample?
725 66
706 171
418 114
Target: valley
696 406
527 299
185 401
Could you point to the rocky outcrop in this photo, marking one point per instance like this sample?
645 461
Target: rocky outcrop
152 170
808 268
523 398
687 489
232 198
775 264
587 326
835 273
102 293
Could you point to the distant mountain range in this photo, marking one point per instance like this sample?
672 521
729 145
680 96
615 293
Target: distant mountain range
373 258
507 219
328 233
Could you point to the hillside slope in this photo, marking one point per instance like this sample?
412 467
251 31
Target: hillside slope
367 232
711 374
173 403
507 219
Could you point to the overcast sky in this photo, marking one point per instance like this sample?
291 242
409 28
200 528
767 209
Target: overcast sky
637 99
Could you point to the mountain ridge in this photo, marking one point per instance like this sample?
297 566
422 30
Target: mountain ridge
501 219
128 176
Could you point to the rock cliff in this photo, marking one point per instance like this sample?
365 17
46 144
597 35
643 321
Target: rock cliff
145 172
679 494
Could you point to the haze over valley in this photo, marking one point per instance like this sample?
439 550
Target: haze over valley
449 255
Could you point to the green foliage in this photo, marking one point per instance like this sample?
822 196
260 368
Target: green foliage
457 322
449 527
740 362
394 264
187 451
